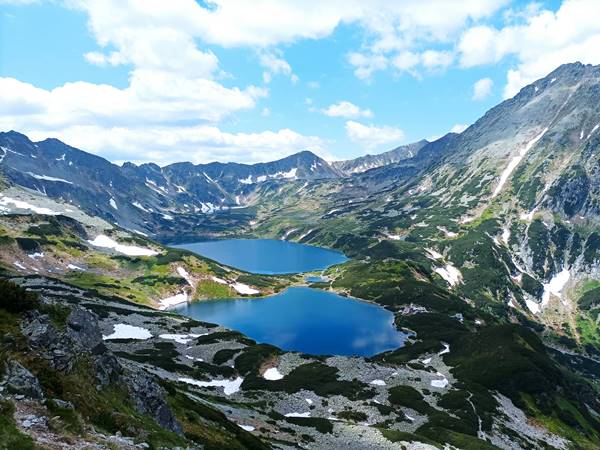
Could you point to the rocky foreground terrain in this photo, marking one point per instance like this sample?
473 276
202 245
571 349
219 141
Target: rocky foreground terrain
89 370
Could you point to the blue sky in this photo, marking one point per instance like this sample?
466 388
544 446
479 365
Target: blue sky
254 81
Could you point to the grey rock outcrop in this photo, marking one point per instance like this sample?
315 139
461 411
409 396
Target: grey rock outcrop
20 381
148 397
62 347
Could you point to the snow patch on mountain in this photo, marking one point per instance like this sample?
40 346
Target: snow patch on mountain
19 204
450 234
433 254
505 235
514 162
174 300
229 386
184 274
287 233
534 307
555 286
139 206
47 178
295 414
244 289
440 383
124 331
593 131
272 374
449 273
129 250
306 234
180 338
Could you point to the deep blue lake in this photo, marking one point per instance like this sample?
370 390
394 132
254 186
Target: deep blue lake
306 320
267 256
300 318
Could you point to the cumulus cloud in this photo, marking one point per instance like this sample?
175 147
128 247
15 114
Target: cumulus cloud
347 110
152 97
482 88
198 144
371 136
458 128
392 28
174 100
541 41
267 23
176 79
366 64
274 64
400 30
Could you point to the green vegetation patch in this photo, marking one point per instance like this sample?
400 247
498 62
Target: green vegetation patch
211 289
253 357
10 436
409 397
323 426
317 377
210 427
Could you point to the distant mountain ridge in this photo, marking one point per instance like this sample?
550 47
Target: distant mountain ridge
367 162
147 196
561 108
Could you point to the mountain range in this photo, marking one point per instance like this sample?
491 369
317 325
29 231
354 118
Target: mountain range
484 244
147 196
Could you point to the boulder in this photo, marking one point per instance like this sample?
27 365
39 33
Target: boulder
107 368
83 328
20 381
148 397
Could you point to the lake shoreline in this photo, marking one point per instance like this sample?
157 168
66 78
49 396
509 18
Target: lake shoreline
305 319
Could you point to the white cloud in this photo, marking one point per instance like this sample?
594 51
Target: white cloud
371 136
347 110
366 64
136 28
482 88
103 59
399 30
198 144
168 110
406 61
275 65
542 41
458 128
151 97
433 59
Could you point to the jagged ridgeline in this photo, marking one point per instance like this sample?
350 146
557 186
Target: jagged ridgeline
484 245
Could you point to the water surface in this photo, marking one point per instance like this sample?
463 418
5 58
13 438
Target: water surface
306 320
267 256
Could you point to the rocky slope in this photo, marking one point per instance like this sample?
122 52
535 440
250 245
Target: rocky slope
89 369
367 162
147 198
